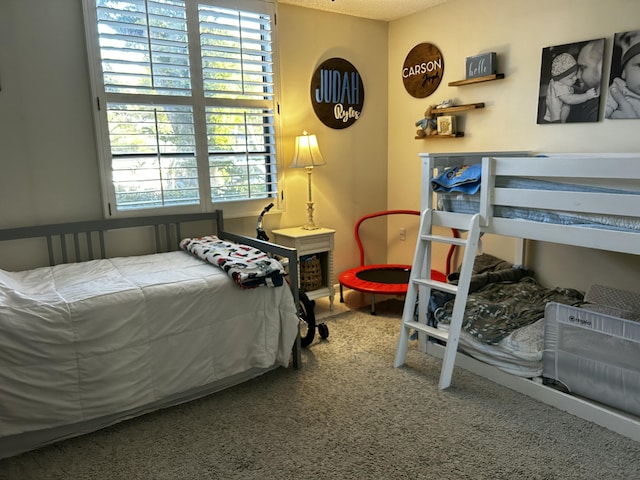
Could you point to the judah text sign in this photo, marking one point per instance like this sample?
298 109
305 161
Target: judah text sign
337 93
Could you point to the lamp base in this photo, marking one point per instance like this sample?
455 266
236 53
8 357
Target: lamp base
310 225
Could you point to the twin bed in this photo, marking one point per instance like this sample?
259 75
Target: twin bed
586 200
94 338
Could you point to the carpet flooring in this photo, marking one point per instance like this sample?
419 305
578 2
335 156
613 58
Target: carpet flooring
347 414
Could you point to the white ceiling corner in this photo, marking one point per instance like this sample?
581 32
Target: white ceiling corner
385 10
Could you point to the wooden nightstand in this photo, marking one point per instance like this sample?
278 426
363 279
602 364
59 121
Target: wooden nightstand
317 242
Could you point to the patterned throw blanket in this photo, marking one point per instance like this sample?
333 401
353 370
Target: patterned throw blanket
248 267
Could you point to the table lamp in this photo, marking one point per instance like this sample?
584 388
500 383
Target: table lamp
307 155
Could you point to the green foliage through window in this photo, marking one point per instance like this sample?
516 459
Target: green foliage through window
175 110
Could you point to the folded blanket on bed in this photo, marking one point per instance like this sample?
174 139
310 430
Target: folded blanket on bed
247 266
465 179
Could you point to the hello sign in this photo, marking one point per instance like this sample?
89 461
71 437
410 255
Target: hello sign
337 93
423 70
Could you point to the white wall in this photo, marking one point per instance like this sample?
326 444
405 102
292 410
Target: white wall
517 31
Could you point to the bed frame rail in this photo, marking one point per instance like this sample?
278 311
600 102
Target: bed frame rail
81 241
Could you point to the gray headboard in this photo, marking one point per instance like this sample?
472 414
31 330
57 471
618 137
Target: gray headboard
81 241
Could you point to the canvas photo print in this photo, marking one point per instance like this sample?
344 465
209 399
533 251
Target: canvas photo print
623 94
570 82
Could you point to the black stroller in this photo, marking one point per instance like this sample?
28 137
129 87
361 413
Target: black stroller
305 310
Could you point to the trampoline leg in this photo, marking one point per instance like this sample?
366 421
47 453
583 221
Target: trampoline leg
341 296
373 304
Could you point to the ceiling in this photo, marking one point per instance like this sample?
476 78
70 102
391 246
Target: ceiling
386 10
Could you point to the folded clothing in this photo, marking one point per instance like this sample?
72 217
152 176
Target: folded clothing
247 266
465 179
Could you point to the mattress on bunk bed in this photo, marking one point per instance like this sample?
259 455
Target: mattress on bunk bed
519 353
594 350
459 193
504 317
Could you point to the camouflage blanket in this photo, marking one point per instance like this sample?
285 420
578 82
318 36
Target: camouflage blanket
248 267
501 300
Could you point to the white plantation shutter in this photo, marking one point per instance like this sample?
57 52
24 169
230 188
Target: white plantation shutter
144 46
153 155
184 87
242 159
236 54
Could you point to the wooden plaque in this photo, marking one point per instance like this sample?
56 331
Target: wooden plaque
423 70
337 93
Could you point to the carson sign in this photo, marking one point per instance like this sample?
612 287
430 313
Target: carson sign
423 70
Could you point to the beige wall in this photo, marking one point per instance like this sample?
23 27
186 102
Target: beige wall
48 162
47 149
354 181
517 31
49 169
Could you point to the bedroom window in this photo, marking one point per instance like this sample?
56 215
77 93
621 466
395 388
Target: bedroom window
186 108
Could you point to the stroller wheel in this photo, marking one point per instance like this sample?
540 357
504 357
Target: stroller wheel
323 330
307 320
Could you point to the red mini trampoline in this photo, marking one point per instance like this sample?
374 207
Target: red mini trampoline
382 279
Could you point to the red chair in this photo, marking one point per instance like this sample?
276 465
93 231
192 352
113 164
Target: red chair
383 279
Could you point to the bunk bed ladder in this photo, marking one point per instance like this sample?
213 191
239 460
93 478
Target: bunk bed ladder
417 279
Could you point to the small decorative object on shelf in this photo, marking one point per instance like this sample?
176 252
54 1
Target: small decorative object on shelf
430 124
445 104
480 68
481 65
446 125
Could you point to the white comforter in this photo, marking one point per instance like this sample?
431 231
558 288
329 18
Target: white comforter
85 340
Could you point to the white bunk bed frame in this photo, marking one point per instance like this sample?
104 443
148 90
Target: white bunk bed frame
550 167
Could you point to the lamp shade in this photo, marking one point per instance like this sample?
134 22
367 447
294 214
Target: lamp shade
307 153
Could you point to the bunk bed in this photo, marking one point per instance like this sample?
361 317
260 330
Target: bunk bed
586 200
110 330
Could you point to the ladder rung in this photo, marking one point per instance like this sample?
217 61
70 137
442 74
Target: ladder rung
431 331
442 286
460 221
442 239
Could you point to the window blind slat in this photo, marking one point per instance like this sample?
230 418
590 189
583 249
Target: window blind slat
147 72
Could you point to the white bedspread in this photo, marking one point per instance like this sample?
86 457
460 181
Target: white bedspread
85 340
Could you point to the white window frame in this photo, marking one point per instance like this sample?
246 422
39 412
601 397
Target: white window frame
239 208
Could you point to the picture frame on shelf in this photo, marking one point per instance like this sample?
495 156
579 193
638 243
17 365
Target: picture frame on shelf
446 125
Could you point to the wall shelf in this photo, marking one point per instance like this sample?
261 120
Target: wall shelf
457 134
454 109
457 108
469 81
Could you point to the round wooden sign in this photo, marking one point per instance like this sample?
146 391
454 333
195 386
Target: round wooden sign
337 93
423 70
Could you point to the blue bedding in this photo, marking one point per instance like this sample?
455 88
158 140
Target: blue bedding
459 193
